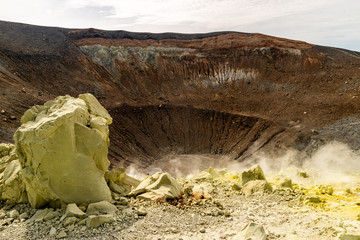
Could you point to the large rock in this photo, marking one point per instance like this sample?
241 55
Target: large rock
62 147
158 186
256 187
12 188
254 173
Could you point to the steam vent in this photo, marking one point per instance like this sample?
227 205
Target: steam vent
225 135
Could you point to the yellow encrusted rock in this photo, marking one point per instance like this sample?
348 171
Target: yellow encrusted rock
12 188
158 186
62 148
119 182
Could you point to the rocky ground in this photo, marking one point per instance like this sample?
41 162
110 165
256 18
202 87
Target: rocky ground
295 211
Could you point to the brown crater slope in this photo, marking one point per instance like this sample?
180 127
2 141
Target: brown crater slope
219 93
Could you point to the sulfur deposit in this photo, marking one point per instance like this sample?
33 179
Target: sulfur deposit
157 187
119 182
62 148
12 188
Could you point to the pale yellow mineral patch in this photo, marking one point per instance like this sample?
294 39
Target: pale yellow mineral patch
119 182
158 186
12 188
62 148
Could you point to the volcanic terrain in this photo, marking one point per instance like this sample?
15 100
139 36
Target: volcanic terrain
182 103
224 93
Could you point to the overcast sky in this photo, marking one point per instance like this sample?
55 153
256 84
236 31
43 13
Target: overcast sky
325 22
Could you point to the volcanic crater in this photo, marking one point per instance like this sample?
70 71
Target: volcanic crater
224 93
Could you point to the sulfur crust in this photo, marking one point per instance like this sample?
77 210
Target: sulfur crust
62 148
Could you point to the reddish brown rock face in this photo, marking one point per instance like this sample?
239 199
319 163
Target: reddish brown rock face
220 93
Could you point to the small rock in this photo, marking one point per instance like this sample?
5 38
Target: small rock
72 210
203 230
207 212
219 204
173 230
141 211
236 187
70 227
313 199
285 183
252 231
202 191
96 221
62 234
24 215
83 207
349 237
51 215
14 213
12 117
7 221
122 201
69 221
52 231
128 211
102 207
2 111
302 174
39 215
23 90
326 190
225 213
82 222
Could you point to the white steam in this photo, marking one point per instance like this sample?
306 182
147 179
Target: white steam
332 163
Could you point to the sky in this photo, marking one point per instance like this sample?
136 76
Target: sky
325 22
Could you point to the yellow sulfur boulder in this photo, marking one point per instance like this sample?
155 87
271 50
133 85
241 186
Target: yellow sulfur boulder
62 148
